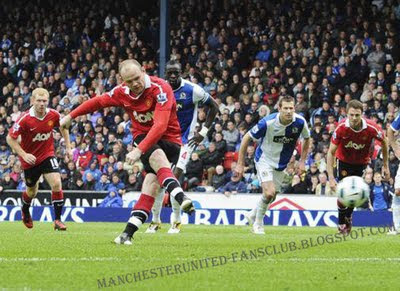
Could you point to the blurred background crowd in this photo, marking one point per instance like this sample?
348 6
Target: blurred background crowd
244 53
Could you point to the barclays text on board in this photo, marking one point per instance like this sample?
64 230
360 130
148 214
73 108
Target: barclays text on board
203 216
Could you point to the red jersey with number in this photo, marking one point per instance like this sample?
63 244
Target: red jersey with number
36 134
356 147
153 112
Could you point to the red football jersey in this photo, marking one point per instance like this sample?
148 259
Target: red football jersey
36 134
153 112
355 147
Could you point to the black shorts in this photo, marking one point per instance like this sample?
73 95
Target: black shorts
32 175
170 149
344 170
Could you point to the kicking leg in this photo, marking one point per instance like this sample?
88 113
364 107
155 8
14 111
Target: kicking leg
141 210
160 164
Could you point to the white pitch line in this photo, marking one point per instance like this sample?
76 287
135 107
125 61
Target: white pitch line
102 259
90 259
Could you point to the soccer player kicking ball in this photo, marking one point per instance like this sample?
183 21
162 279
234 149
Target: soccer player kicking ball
277 135
36 153
394 127
151 105
188 96
351 144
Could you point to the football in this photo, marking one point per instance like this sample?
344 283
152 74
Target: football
352 191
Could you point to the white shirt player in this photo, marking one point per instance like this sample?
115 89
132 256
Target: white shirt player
276 144
188 97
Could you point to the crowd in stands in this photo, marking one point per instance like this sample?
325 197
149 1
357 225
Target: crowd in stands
244 53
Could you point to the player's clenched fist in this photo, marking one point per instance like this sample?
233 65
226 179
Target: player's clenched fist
133 156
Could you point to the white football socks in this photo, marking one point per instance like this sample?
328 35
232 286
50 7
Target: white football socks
396 212
176 210
261 208
156 210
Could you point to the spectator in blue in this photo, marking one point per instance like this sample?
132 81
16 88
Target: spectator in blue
4 151
380 196
5 43
103 184
96 173
235 186
113 199
21 185
70 80
264 54
116 184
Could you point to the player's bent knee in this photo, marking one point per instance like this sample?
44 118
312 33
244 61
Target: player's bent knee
158 160
31 191
56 187
397 192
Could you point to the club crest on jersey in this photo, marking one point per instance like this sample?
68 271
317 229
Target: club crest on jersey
255 129
295 130
148 103
182 95
50 123
162 98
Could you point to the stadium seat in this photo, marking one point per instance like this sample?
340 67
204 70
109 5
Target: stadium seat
229 158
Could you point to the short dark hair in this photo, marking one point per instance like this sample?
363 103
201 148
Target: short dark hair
286 98
174 64
354 104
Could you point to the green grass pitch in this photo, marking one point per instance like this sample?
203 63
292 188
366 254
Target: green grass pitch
83 258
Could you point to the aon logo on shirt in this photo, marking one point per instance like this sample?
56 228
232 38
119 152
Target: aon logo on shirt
354 145
42 136
143 118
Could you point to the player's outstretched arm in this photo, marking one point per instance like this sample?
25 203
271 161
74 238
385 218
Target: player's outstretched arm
89 106
242 153
15 146
329 165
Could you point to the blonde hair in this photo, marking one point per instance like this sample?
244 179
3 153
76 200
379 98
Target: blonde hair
40 92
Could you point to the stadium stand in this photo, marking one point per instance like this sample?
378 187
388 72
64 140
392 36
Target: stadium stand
244 53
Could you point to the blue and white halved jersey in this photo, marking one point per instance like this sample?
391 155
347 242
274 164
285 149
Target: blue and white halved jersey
276 141
396 123
188 96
